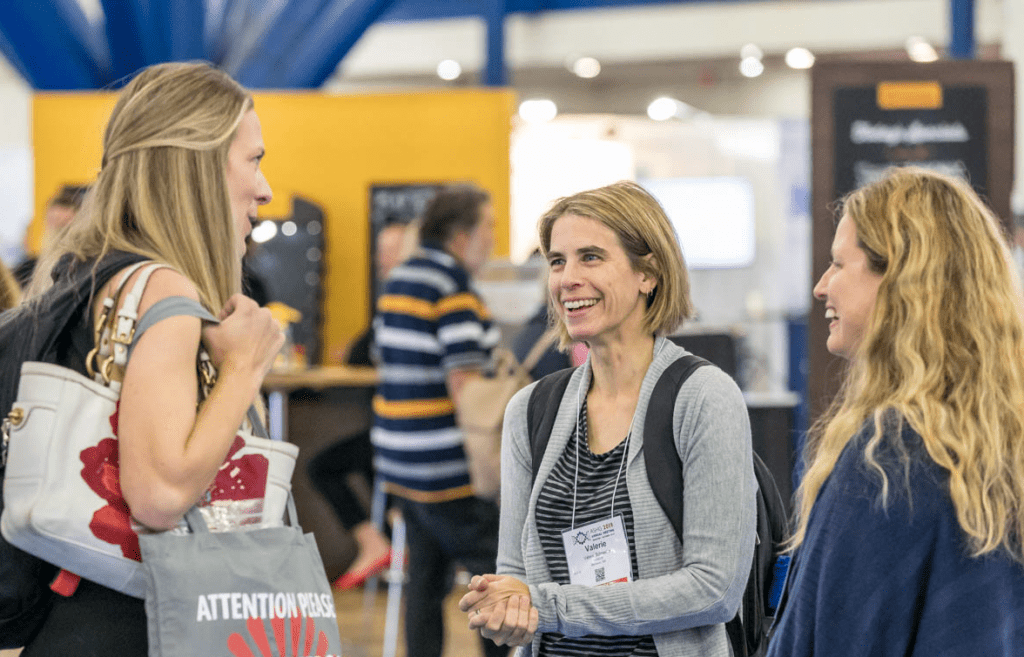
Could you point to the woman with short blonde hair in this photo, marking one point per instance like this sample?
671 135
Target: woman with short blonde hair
911 511
617 281
640 223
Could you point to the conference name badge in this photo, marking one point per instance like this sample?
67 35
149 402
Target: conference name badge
598 553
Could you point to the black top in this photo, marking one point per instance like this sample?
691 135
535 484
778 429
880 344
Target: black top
593 498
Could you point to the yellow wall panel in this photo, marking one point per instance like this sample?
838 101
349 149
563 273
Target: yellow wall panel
330 150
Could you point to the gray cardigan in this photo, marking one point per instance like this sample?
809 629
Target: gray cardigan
686 592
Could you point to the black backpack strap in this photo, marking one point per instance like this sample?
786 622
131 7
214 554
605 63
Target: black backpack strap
541 411
664 467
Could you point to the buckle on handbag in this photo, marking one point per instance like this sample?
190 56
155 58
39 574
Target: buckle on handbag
207 373
125 341
13 419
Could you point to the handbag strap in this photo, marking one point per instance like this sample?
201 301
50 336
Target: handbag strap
537 351
104 326
197 523
118 332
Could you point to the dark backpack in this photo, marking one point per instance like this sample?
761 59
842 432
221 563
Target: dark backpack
748 631
38 332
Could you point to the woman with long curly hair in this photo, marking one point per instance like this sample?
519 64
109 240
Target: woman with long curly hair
911 511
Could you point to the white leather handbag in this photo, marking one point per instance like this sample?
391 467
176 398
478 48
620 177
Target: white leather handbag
62 494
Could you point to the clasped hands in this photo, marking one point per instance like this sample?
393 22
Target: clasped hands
499 606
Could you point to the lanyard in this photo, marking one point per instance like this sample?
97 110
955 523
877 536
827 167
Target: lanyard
625 451
579 436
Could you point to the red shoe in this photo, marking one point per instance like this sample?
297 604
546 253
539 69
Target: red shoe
353 579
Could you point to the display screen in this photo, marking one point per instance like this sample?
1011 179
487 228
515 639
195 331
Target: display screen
713 218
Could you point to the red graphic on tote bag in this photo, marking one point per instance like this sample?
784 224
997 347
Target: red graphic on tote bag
242 478
258 634
112 522
238 479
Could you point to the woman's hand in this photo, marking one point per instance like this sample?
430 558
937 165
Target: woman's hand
247 338
499 606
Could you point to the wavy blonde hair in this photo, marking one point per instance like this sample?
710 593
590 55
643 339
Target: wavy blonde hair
943 351
162 189
643 228
10 291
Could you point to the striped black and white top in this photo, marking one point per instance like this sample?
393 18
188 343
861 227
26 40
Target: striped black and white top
594 491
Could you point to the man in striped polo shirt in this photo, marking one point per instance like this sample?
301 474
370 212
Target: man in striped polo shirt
433 334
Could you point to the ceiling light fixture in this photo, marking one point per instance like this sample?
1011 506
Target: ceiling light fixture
663 109
751 67
264 231
751 50
920 50
538 110
799 58
449 69
586 67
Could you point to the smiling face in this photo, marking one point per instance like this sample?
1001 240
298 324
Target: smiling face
848 288
247 188
596 291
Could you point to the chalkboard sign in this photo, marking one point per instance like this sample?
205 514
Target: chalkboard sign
391 203
951 116
947 135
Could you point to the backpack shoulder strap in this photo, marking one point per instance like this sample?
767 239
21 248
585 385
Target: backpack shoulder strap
541 411
664 467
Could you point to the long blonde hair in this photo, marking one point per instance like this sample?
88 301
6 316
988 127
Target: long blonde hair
162 190
10 291
943 351
643 228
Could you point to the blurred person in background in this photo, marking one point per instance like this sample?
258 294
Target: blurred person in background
60 211
535 329
910 532
618 282
433 334
330 469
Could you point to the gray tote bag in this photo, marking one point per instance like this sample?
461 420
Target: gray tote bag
239 593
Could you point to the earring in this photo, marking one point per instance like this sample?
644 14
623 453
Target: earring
650 294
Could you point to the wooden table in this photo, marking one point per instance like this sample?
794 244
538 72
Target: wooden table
278 383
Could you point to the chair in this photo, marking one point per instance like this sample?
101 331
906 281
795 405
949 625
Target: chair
394 576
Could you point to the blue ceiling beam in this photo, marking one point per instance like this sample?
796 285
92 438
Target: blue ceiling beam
186 23
417 10
158 31
496 73
961 29
219 27
144 32
241 25
49 42
289 28
324 46
127 28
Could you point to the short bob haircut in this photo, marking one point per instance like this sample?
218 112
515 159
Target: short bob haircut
643 229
